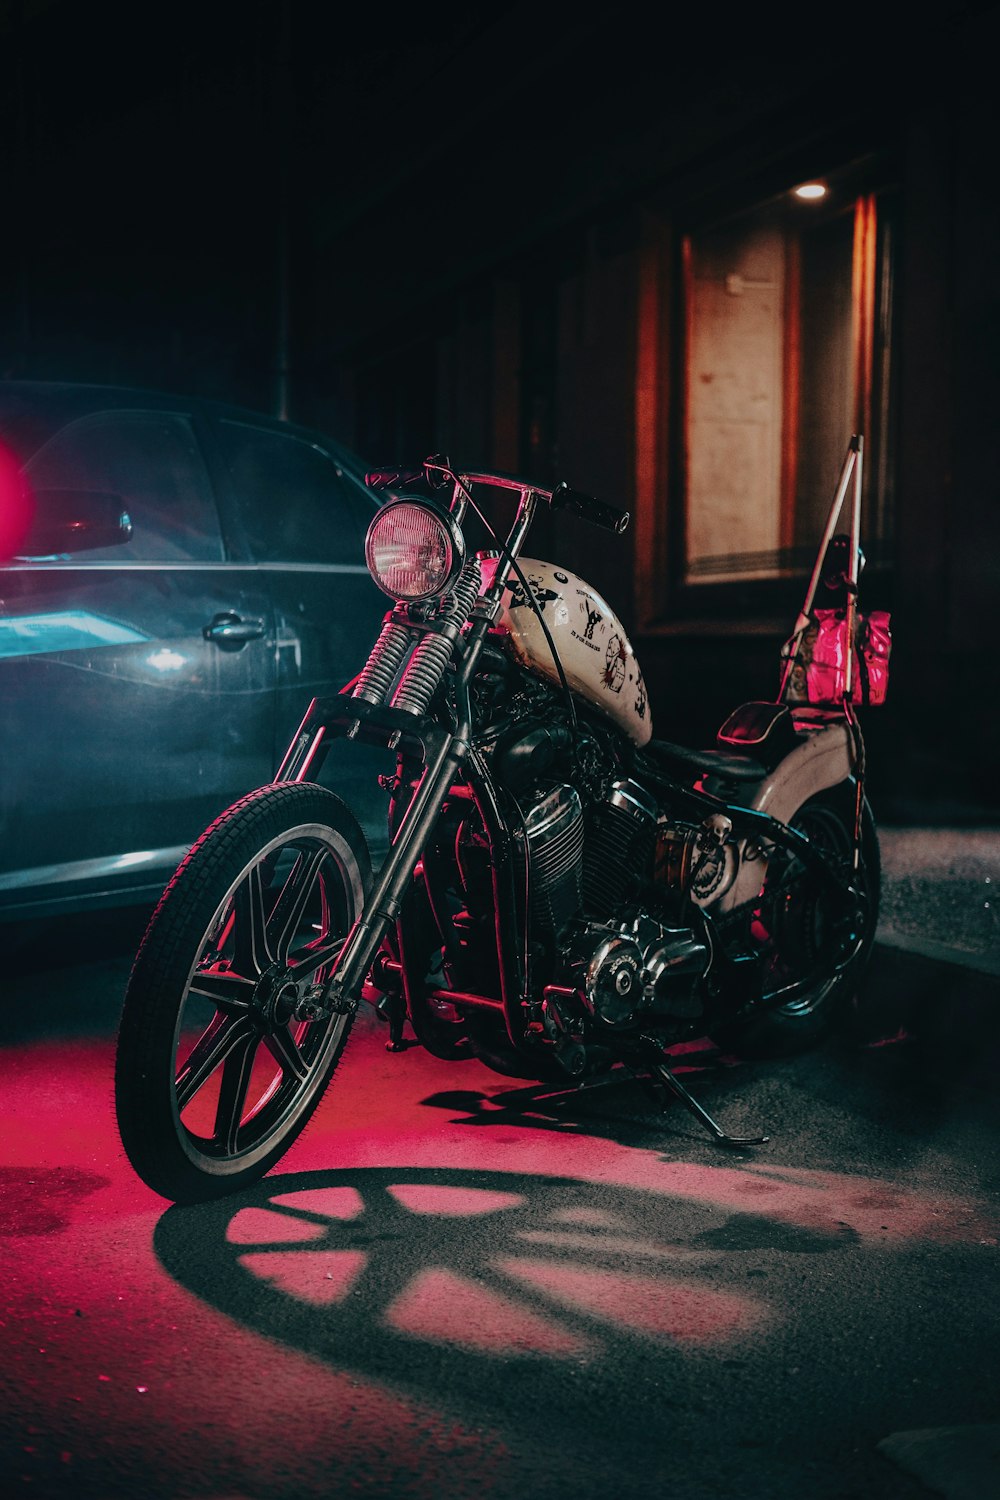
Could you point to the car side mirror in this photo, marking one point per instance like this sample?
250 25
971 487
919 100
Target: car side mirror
74 521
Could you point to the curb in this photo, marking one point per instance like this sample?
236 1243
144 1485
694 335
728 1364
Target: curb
921 946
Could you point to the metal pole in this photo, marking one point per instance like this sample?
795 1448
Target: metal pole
852 458
853 571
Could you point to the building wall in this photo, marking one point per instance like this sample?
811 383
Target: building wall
560 360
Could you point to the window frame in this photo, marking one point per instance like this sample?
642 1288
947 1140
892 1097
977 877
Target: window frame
233 506
125 555
667 602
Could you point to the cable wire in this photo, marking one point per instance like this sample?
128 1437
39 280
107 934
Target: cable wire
505 553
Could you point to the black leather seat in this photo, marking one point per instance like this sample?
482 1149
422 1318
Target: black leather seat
679 760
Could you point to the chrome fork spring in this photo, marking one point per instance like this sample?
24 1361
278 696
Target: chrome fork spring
379 671
425 668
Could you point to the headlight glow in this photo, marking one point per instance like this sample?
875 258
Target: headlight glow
413 551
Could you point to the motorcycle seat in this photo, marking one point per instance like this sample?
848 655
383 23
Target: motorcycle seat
722 763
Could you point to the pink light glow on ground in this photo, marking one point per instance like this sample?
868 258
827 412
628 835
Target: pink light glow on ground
317 1276
254 1226
656 1306
331 1202
423 1198
404 1220
450 1309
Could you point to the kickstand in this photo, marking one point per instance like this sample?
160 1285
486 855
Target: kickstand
392 1008
667 1078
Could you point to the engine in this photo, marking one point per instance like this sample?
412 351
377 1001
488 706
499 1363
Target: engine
615 883
620 961
554 828
637 968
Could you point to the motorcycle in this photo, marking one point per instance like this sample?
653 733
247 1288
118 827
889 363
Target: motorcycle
563 894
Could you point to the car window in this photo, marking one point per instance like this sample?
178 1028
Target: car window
295 503
152 460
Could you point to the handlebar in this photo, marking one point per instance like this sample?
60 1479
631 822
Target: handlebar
397 478
563 497
598 512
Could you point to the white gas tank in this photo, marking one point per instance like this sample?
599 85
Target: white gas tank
595 652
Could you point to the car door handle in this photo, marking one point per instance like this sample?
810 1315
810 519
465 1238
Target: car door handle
231 631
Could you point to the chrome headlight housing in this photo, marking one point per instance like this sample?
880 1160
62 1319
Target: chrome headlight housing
414 549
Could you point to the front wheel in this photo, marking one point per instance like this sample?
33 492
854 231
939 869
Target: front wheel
216 1073
793 924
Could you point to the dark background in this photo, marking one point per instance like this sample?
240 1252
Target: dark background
340 215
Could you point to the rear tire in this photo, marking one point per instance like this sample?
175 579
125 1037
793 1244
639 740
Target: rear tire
789 929
215 1076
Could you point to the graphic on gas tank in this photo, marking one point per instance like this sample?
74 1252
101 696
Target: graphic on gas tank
591 644
590 619
614 664
641 700
543 596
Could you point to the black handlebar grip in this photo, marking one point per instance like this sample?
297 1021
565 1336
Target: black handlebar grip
396 479
597 511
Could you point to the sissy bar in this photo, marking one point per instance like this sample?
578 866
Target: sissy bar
852 465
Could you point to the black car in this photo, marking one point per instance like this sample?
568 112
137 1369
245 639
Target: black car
193 575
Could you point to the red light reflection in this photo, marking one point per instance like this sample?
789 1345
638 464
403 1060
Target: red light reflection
15 505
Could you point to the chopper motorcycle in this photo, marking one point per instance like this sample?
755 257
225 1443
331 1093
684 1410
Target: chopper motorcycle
563 894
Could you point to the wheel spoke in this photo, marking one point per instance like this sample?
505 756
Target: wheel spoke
217 1041
228 991
233 1092
317 956
292 902
284 1049
222 937
225 1038
252 953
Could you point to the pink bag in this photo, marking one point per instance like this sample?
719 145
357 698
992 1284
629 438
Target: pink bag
818 675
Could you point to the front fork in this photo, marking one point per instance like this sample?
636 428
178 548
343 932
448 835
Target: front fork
383 906
444 754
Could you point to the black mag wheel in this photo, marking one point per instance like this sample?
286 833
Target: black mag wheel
793 924
216 1073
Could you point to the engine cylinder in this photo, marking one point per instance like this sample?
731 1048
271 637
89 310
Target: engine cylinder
554 826
619 847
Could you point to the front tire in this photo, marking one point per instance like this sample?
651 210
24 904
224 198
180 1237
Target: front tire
215 1076
791 924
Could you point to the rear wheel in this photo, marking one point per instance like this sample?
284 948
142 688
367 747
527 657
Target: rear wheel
795 922
216 1070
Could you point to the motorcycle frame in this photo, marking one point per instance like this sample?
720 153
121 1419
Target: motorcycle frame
452 766
445 754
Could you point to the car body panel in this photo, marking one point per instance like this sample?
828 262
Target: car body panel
129 720
113 747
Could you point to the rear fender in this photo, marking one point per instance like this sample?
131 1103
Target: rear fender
821 761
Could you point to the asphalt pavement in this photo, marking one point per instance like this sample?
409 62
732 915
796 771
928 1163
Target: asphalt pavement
461 1285
941 894
936 972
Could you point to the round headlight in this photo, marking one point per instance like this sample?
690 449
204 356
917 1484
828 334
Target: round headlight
413 550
